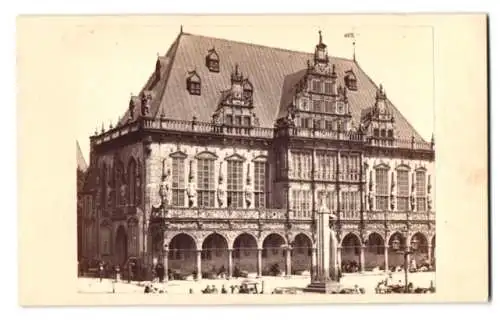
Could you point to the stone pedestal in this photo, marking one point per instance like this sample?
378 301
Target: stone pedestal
325 281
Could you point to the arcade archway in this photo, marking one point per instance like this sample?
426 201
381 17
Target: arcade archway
301 254
273 255
121 245
214 256
182 254
351 253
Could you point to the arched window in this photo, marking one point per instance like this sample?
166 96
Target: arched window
420 190
403 189
260 190
206 179
382 188
235 190
105 236
131 181
138 184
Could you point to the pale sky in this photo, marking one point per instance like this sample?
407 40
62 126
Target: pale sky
110 58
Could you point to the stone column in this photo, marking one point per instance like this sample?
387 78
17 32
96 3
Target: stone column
198 265
314 262
386 258
230 262
288 262
259 262
339 255
165 262
429 252
362 258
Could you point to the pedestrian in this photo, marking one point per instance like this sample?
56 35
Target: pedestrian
101 271
160 272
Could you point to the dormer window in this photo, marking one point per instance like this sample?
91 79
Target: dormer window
351 81
193 83
212 60
247 89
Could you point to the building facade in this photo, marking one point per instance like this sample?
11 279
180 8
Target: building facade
227 153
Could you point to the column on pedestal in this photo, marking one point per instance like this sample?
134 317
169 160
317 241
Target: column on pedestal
259 262
198 265
386 258
165 262
362 258
230 262
429 253
314 262
288 261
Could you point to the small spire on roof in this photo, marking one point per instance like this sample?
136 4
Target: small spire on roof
102 127
181 29
320 37
354 50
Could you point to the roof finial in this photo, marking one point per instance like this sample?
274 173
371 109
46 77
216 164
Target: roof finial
320 37
354 50
181 29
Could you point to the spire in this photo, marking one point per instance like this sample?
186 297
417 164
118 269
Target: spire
320 37
236 76
354 50
181 29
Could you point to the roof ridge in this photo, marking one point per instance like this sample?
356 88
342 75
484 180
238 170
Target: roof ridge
262 46
418 135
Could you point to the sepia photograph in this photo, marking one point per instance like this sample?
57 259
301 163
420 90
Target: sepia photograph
240 168
272 159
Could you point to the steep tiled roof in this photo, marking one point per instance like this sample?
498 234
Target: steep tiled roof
272 72
80 160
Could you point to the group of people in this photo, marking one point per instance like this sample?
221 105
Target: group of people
388 285
234 289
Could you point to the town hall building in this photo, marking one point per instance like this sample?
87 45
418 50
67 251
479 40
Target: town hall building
225 156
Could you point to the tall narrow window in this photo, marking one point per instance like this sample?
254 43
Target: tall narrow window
178 181
317 105
235 184
329 87
420 190
260 184
381 188
131 172
316 86
329 104
206 185
403 189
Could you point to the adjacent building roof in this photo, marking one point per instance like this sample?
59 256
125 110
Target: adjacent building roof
271 71
80 160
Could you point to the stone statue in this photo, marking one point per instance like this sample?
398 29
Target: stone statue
165 189
324 205
429 202
248 195
123 194
371 198
221 193
191 186
248 189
